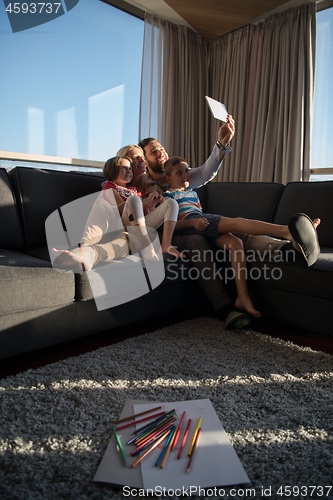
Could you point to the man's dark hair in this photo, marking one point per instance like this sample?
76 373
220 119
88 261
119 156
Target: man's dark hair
145 142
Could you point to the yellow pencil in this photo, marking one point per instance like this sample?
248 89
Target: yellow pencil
194 436
194 447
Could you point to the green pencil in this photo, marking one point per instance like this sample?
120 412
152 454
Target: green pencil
119 444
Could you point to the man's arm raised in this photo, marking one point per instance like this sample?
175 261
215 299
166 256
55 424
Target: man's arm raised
207 171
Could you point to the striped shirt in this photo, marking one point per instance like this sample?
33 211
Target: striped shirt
187 200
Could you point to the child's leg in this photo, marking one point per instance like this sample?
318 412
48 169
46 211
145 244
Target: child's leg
88 255
133 216
103 220
255 227
167 212
238 264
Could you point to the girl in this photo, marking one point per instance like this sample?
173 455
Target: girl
138 212
104 237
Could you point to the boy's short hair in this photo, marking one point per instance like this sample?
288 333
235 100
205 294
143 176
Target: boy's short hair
170 164
111 167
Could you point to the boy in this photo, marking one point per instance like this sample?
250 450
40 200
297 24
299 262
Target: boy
192 220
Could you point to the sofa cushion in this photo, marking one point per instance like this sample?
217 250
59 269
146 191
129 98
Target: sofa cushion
41 192
316 280
314 199
31 283
10 227
257 200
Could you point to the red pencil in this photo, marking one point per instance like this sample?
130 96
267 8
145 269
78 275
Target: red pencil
193 450
178 431
138 421
137 415
184 439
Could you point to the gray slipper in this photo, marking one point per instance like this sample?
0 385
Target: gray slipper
305 238
236 320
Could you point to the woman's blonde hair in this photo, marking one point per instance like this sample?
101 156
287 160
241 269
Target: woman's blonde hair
143 180
111 167
126 149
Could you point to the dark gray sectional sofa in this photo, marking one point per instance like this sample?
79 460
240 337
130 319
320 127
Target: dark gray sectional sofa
41 307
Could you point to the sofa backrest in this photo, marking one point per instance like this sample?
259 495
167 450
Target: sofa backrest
313 198
40 192
11 236
257 200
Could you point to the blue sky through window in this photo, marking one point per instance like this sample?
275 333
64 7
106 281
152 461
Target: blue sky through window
322 144
71 87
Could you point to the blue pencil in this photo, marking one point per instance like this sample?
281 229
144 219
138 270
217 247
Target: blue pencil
165 446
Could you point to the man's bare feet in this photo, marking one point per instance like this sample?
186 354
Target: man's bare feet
171 251
245 303
84 255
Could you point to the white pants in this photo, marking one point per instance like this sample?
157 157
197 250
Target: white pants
133 212
105 230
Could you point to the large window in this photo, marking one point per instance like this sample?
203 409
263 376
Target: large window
71 87
322 144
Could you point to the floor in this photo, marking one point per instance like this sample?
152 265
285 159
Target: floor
42 357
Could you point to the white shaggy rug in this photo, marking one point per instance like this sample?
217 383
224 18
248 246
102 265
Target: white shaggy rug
274 399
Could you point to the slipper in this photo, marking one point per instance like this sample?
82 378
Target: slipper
236 320
305 238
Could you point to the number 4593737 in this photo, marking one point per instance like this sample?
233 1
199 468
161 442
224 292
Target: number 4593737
33 8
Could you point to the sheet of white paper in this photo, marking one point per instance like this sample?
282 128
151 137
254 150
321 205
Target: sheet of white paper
215 462
111 468
218 109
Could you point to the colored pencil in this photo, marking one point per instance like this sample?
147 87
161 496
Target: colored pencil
184 439
193 450
150 448
157 425
137 415
138 421
163 451
120 448
148 442
158 430
194 436
178 431
149 429
156 421
167 451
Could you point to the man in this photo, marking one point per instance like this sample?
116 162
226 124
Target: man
199 249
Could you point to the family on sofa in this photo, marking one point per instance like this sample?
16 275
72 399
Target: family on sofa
136 179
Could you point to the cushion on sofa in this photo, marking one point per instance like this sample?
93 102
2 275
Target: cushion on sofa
10 228
30 283
42 191
316 280
257 200
314 199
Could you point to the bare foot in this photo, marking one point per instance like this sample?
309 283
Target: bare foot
150 254
84 255
316 222
244 302
172 251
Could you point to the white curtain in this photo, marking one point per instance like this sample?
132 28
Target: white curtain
174 82
265 76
